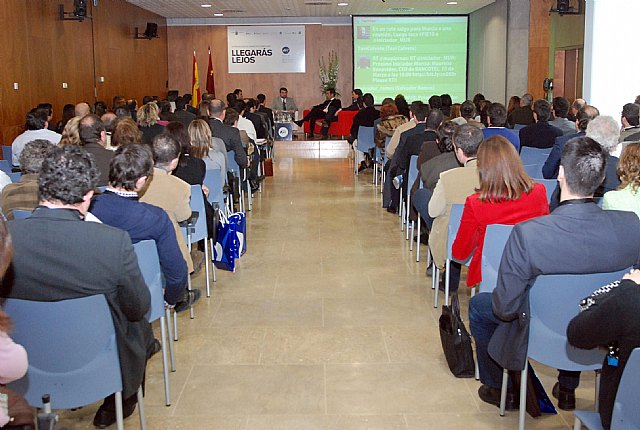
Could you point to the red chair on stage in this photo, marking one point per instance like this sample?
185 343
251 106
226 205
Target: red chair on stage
341 127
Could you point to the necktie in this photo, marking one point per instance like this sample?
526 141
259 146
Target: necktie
284 104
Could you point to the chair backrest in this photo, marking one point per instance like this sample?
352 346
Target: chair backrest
386 145
549 185
553 303
232 165
149 264
452 231
412 174
5 166
199 231
73 354
7 153
15 176
365 138
530 155
21 213
533 170
626 409
213 181
519 127
495 239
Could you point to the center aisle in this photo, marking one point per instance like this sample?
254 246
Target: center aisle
327 323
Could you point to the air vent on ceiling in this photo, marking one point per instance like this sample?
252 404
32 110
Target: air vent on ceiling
233 11
400 9
318 2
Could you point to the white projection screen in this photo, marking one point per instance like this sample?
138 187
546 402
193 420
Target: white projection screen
416 56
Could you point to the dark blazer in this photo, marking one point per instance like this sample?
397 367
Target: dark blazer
364 118
521 115
58 256
551 166
539 135
231 138
573 239
103 158
334 105
182 116
191 170
148 133
430 170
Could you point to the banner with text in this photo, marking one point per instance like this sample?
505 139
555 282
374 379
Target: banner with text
266 49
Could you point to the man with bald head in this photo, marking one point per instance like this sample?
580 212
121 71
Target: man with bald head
82 109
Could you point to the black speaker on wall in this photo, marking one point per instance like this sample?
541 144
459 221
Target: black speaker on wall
151 31
563 5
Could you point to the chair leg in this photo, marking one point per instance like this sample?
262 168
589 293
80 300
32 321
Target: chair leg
213 266
119 413
165 364
407 206
191 312
418 243
598 374
503 392
523 396
411 237
249 196
172 358
577 424
473 292
206 266
143 421
175 326
401 214
436 278
447 271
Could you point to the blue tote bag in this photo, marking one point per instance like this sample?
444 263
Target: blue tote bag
227 246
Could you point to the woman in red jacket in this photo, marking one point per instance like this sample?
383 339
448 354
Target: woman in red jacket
507 195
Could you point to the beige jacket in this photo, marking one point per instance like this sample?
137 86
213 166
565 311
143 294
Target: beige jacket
453 187
173 195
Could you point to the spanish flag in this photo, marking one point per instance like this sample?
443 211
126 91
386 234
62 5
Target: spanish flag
211 87
195 84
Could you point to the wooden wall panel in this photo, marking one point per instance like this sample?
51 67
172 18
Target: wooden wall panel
40 52
303 87
539 42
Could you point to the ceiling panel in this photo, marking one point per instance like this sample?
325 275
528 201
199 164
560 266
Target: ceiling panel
304 8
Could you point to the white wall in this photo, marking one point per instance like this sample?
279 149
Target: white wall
488 52
610 59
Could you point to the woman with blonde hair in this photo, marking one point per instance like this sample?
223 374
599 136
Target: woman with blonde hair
627 196
148 116
70 134
202 146
506 195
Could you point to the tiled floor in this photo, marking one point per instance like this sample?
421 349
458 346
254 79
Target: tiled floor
327 324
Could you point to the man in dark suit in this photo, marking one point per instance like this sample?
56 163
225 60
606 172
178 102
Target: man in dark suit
578 237
229 135
523 114
541 134
364 117
551 166
326 111
180 114
93 137
59 256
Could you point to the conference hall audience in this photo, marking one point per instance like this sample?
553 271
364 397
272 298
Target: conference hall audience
82 109
24 193
402 105
100 257
522 115
454 111
446 104
560 110
390 120
189 169
68 112
630 119
514 103
468 112
608 319
626 197
71 133
453 187
606 131
180 114
325 111
540 134
506 195
125 131
575 108
35 128
365 117
550 167
500 320
93 138
357 101
400 129
148 122
497 125
210 149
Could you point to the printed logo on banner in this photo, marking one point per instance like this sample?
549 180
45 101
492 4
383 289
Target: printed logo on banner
286 50
265 49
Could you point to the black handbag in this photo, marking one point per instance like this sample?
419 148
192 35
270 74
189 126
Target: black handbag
456 341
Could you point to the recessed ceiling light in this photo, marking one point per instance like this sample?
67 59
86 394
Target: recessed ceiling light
205 5
452 2
218 14
343 4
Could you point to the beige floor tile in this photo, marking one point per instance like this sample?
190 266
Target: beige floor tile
327 422
328 286
485 420
238 312
323 345
373 311
249 389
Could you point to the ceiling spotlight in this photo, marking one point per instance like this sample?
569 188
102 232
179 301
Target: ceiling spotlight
452 2
218 14
343 4
205 5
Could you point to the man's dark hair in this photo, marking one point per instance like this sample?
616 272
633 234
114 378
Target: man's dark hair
129 163
237 91
181 103
468 109
147 99
33 154
36 119
164 106
231 116
468 138
239 105
216 107
368 100
434 119
631 112
100 108
585 115
358 92
497 113
420 110
90 129
165 148
435 102
231 98
67 175
250 104
187 98
561 107
118 101
332 91
584 162
261 98
416 106
446 100
122 112
284 88
46 106
542 109
445 136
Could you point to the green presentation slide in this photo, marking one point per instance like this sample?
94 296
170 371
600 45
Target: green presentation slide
416 56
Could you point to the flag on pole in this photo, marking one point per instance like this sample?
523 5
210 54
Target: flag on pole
195 84
211 86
